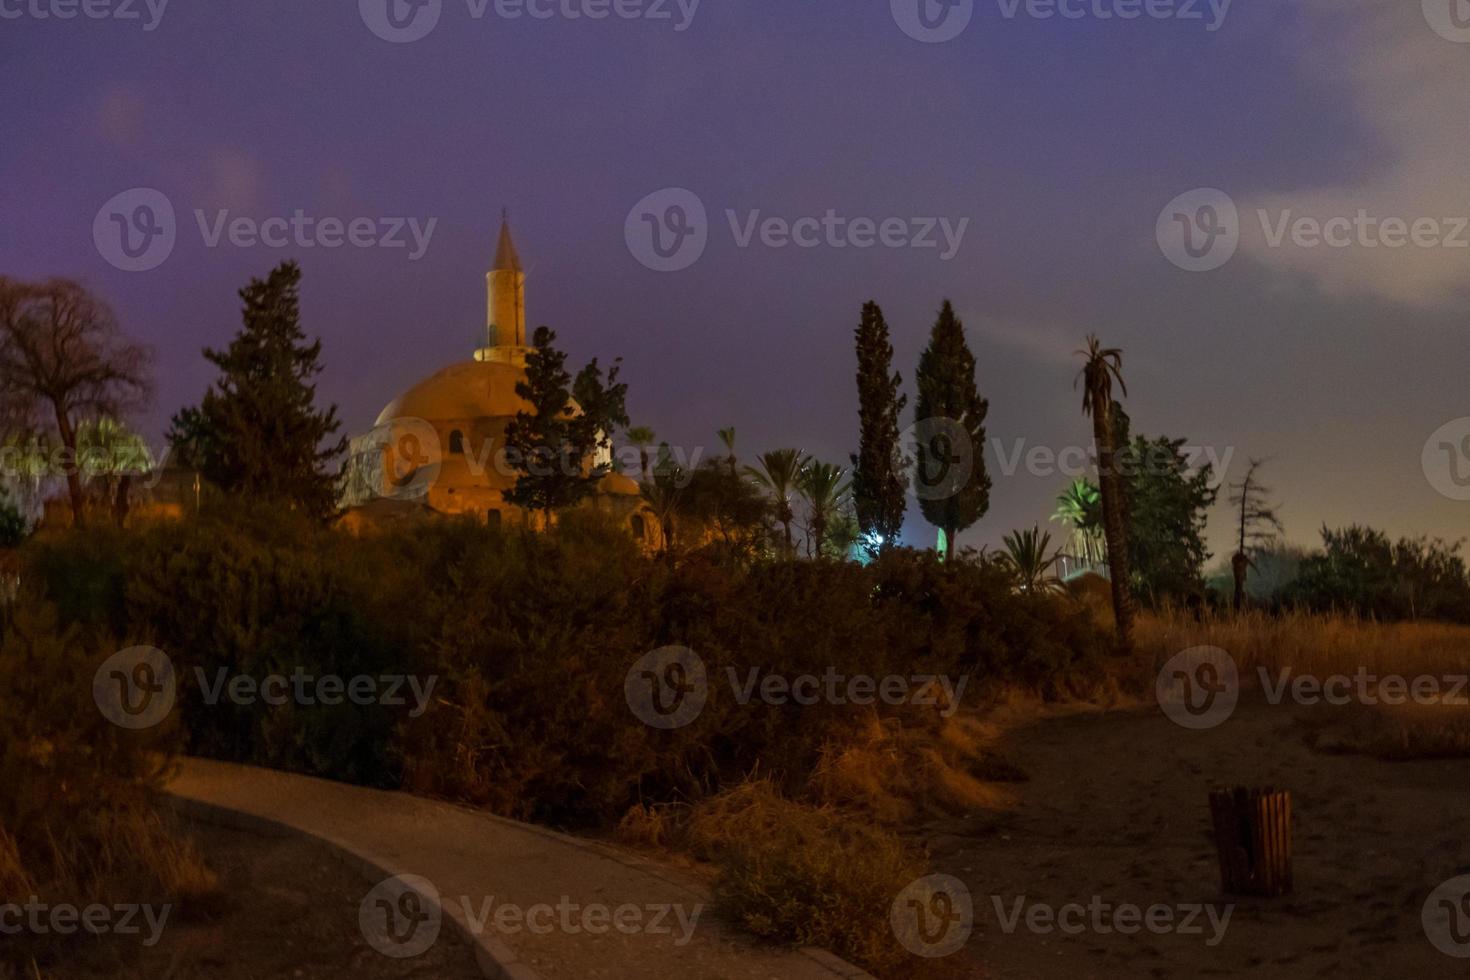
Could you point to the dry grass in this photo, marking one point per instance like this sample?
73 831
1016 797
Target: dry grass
895 774
793 873
1310 643
1323 646
115 855
1392 732
112 857
805 875
14 880
80 818
824 870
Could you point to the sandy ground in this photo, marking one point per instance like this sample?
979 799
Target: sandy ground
1117 807
290 911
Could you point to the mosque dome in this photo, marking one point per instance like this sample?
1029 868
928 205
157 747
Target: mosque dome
464 390
442 443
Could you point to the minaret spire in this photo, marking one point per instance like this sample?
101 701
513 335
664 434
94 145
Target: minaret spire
505 300
505 251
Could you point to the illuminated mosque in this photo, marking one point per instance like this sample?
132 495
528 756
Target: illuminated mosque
438 447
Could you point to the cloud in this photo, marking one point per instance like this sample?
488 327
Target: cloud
120 116
230 178
1409 84
1045 341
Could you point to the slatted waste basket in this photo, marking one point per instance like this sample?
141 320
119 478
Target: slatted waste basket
1253 835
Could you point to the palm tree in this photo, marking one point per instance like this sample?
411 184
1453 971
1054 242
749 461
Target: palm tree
27 456
642 437
1104 365
1027 559
663 494
106 447
111 454
727 437
822 486
843 530
780 472
1080 507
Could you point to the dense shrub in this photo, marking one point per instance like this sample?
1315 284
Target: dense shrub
79 816
1361 571
529 638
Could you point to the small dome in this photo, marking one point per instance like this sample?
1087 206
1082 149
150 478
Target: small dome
466 390
617 483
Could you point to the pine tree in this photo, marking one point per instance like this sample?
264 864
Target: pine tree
257 431
878 479
551 447
953 486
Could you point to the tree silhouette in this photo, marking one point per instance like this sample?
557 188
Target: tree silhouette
258 431
1027 558
62 355
780 473
950 418
1103 367
822 486
1258 525
552 446
878 479
1080 507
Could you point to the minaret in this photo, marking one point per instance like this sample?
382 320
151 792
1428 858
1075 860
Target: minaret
505 300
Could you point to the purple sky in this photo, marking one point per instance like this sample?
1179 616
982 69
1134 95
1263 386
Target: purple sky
1060 140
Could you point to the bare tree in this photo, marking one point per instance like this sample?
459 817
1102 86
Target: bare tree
1258 525
62 355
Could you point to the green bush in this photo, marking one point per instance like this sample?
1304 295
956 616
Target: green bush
250 594
529 638
80 821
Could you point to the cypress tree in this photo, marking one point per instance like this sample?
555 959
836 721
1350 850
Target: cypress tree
878 479
257 431
551 446
953 486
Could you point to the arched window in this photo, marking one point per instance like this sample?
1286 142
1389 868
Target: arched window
456 442
492 517
639 529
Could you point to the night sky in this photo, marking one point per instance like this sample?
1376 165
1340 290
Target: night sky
1060 140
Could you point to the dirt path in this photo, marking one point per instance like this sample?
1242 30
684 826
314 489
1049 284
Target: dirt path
1116 807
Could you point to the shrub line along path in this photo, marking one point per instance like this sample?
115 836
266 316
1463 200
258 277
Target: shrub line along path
473 858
